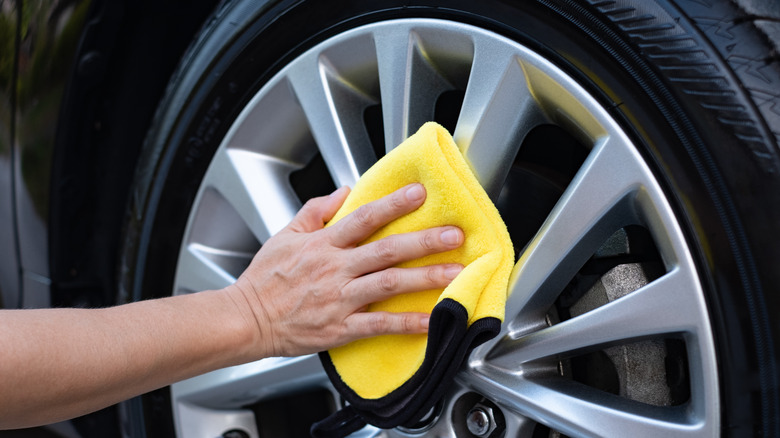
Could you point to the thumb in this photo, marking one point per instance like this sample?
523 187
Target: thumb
318 211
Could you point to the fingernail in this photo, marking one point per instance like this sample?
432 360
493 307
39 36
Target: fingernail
450 237
425 322
452 271
415 193
338 190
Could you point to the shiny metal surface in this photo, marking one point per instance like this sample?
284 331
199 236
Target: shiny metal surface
47 38
37 42
9 269
315 104
479 421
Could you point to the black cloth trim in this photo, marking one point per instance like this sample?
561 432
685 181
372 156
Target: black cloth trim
450 340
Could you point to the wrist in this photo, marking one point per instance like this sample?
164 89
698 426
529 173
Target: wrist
254 324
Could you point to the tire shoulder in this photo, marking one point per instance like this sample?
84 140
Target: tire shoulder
710 52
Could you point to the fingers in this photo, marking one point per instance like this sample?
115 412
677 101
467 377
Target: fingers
404 247
382 285
364 325
358 275
362 222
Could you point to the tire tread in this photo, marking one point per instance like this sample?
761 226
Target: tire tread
682 56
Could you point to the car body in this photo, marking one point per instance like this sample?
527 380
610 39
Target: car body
61 62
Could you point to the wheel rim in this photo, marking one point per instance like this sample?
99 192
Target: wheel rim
317 105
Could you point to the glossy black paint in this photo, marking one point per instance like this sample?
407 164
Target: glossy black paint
79 84
9 268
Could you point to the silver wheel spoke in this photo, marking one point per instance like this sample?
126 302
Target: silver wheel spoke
487 133
577 410
274 125
211 404
198 421
236 386
580 222
335 115
257 187
409 83
196 271
637 314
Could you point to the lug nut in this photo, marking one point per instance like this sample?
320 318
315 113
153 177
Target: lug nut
235 433
479 420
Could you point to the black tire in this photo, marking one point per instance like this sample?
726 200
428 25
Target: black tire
695 85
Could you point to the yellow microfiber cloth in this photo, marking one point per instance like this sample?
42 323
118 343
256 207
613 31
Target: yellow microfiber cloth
394 380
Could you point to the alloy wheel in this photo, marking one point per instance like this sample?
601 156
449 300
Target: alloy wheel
605 272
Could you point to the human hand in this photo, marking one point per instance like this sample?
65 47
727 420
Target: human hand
308 286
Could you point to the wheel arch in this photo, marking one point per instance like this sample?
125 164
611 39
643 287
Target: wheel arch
127 53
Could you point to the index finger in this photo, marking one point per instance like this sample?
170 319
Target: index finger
361 223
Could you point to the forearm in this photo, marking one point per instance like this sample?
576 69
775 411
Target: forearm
304 291
59 363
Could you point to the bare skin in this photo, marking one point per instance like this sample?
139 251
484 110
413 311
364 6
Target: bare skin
304 291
